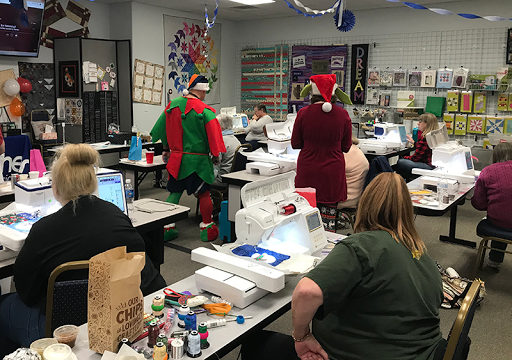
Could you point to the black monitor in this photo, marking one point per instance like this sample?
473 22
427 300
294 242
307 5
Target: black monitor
20 27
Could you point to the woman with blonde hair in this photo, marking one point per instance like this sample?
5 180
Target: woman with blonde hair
422 157
375 296
84 227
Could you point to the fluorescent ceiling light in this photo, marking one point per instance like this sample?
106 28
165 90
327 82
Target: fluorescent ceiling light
253 2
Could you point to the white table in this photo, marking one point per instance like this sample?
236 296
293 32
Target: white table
222 340
111 148
136 167
441 209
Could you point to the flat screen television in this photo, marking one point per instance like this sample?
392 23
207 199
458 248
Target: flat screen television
20 27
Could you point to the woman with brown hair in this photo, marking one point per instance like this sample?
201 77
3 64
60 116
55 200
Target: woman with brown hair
375 296
493 191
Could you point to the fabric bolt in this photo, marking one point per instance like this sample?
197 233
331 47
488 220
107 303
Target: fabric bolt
226 159
356 169
255 129
492 193
322 138
422 152
382 304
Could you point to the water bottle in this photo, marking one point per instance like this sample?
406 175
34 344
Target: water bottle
442 191
128 190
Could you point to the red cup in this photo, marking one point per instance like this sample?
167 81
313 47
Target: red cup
150 155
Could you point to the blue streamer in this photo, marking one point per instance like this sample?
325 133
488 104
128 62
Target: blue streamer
208 24
470 16
303 13
415 6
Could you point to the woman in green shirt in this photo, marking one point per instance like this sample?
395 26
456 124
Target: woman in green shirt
375 296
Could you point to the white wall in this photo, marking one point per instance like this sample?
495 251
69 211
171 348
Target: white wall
148 44
98 26
371 22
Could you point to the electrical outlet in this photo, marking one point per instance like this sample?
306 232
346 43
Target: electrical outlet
146 108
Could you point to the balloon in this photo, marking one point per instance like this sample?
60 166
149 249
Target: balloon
17 108
25 85
11 87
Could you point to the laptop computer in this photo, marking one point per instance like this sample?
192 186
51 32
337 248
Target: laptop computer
111 189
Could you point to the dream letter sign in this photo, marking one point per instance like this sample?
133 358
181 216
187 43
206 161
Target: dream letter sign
358 76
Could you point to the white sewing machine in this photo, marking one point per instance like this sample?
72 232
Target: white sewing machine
240 121
275 224
452 160
281 157
389 137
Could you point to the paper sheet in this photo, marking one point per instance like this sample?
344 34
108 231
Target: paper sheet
147 95
150 70
149 82
139 80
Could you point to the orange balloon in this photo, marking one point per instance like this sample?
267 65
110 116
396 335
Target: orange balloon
17 108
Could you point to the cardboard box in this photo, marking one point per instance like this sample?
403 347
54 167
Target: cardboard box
49 136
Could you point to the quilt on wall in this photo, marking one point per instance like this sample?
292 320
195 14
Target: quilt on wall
189 52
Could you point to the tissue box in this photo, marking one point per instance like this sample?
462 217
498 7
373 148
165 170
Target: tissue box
49 136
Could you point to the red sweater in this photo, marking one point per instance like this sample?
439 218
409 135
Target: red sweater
423 153
493 192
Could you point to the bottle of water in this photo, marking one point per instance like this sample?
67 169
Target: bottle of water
128 190
442 191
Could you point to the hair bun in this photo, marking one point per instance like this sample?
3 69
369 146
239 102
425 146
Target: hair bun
80 154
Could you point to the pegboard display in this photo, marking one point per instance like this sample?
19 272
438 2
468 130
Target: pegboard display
482 51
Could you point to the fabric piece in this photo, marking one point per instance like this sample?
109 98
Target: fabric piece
507 126
480 102
249 251
494 181
321 163
466 102
435 105
460 124
452 100
476 124
377 278
494 125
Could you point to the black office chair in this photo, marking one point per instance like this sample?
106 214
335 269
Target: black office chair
458 340
66 301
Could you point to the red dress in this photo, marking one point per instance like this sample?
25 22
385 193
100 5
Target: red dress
322 138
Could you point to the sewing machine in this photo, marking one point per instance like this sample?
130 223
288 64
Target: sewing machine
281 157
240 122
452 160
389 137
277 232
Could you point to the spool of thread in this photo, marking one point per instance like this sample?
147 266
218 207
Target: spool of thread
169 320
182 314
217 299
288 209
158 306
194 344
160 351
124 341
216 323
177 349
153 333
163 339
191 321
203 335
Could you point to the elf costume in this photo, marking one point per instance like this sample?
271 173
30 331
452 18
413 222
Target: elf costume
189 129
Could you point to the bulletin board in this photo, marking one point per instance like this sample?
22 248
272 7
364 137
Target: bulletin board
314 60
148 81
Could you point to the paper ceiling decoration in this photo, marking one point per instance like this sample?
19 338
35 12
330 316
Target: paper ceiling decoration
448 12
344 19
209 24
309 10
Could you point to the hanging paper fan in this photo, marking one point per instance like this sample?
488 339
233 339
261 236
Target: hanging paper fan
348 20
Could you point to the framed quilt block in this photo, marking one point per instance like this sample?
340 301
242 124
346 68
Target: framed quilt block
448 121
453 100
480 102
466 101
494 125
502 102
507 128
459 126
476 124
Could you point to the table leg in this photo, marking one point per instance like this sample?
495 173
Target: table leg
451 237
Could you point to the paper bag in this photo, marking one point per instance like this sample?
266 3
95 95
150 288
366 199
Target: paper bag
115 307
36 162
135 153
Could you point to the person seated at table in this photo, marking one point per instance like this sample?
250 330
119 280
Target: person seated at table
255 130
231 143
376 295
422 157
493 191
84 227
356 168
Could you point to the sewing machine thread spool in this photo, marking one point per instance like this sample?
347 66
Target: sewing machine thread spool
288 209
152 334
217 299
191 321
122 342
203 335
215 323
177 349
194 344
158 306
160 351
182 313
163 339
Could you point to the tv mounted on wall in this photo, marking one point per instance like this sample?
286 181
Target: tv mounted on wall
20 27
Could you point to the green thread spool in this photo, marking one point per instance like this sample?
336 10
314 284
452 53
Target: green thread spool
203 334
163 339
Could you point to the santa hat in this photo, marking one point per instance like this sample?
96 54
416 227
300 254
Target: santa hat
325 85
197 82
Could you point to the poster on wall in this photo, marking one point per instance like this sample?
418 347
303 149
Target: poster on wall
265 80
147 82
358 73
315 60
69 82
189 52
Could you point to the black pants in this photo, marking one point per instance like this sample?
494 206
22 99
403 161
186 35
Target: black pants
270 345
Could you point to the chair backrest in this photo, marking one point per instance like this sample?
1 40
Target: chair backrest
459 333
239 160
38 121
66 301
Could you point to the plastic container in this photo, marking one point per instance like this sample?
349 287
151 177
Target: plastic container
149 157
58 351
41 344
66 334
442 191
